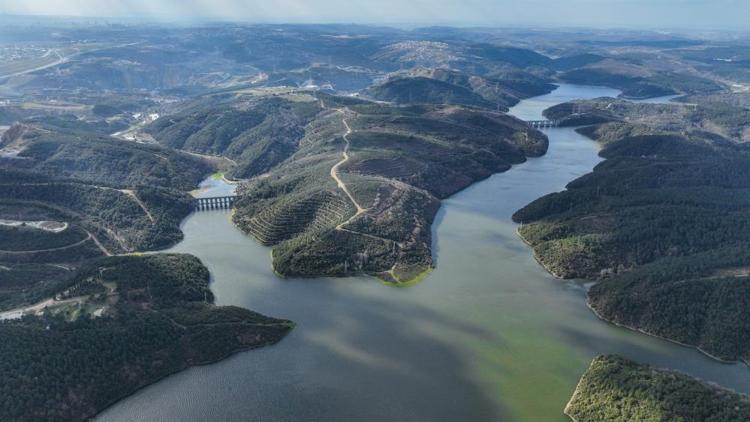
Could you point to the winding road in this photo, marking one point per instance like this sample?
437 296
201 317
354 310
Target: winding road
340 183
335 169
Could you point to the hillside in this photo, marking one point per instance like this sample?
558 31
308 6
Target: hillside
616 389
78 155
638 82
127 196
421 90
256 131
662 222
709 116
67 196
114 326
401 162
443 86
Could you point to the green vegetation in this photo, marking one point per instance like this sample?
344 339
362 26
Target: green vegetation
24 238
663 223
443 86
640 85
700 300
402 160
24 284
616 389
421 90
116 217
138 320
714 117
258 132
114 197
84 156
80 330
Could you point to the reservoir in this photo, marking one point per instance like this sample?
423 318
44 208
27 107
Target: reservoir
488 336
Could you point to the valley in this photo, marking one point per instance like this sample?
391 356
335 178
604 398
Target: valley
358 159
380 336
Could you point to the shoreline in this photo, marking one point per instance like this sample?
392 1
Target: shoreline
576 392
194 365
634 329
536 257
641 331
638 330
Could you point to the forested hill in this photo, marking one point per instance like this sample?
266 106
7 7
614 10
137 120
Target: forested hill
103 161
422 90
445 86
400 162
117 325
664 222
257 132
614 389
722 116
640 83
129 196
69 195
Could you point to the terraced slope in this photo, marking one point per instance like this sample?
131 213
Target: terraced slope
361 192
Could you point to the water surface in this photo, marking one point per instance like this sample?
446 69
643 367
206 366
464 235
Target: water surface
488 336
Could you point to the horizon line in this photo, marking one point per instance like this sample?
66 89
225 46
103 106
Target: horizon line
168 19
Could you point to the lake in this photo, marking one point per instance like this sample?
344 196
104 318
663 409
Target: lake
488 336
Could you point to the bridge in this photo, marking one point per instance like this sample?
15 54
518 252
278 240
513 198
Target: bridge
214 203
543 124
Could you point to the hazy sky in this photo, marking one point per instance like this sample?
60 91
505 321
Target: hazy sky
714 14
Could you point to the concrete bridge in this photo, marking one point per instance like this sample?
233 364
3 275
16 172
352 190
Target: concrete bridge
543 124
214 203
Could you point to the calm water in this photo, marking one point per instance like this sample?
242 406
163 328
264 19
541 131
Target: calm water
488 336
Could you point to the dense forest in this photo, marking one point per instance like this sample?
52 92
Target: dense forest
662 222
616 389
134 321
